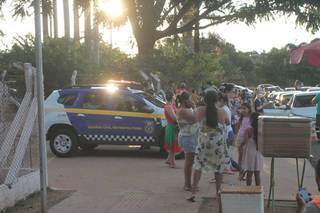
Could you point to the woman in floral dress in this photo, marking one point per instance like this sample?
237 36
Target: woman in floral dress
211 152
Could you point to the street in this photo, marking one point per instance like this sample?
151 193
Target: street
121 179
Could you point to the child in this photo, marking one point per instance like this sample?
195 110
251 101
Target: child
243 124
252 161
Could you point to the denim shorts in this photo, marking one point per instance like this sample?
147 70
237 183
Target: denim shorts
188 143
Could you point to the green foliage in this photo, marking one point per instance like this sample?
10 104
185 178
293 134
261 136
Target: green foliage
61 57
173 61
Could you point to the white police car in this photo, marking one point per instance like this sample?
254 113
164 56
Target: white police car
88 116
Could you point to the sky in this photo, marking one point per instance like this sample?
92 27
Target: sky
259 37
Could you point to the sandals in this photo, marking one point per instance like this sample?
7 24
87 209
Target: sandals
173 166
192 199
242 176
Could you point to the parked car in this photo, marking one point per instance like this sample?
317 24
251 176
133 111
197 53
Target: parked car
305 88
272 89
89 116
300 104
313 89
262 86
289 89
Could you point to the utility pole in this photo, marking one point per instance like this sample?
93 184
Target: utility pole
40 97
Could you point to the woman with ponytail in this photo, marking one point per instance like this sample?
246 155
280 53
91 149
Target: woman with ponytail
188 130
211 152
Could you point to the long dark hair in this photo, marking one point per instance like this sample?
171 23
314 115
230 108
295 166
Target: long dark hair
224 98
182 98
254 124
169 96
211 98
246 105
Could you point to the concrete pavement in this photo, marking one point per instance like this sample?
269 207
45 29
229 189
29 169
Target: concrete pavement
118 180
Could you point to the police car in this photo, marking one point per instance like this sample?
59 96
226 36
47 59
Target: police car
88 116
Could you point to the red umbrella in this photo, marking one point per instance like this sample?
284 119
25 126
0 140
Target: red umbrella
310 51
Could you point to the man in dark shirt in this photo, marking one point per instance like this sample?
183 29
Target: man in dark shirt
314 205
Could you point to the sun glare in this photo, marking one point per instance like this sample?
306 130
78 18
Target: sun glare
112 8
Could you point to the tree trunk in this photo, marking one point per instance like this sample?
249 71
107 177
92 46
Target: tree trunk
66 18
87 24
76 20
145 45
196 32
45 24
96 46
55 19
50 27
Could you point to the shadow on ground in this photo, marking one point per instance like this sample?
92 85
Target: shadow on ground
32 203
105 151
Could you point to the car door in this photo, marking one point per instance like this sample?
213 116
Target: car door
303 106
134 122
92 119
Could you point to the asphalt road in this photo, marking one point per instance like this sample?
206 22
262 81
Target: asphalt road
121 179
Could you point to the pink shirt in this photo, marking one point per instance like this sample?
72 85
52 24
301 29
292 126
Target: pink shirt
244 125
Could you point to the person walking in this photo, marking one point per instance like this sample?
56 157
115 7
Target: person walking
171 139
252 161
211 152
188 130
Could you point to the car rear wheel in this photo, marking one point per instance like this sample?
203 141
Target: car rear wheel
63 143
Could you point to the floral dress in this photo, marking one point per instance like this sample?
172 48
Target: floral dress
212 151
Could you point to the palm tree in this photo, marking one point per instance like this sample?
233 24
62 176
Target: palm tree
46 12
76 20
55 18
86 6
66 18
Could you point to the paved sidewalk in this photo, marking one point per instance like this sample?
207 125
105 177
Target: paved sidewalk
131 181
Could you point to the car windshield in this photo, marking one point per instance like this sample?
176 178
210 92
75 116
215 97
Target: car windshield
285 99
303 101
152 99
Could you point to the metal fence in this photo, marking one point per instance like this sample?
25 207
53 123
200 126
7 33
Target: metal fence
18 133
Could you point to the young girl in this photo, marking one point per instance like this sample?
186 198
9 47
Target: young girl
243 124
252 161
171 142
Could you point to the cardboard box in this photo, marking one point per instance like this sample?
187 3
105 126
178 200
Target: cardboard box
248 199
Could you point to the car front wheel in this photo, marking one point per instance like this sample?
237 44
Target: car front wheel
63 143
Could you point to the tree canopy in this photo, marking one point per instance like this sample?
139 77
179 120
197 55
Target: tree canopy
152 20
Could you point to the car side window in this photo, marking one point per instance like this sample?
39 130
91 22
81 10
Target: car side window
67 99
96 100
128 104
304 101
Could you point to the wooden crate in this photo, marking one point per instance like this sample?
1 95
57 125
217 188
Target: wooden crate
247 199
284 137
